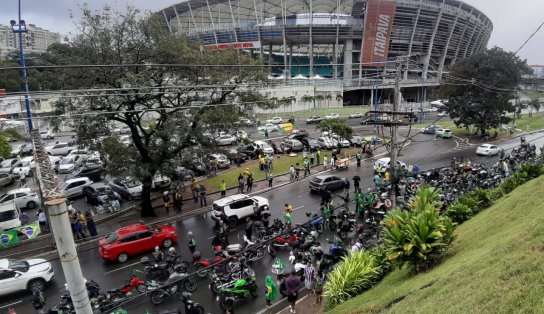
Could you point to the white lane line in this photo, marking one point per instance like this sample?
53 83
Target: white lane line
299 207
7 305
112 271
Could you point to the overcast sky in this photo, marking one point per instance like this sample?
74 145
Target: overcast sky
513 21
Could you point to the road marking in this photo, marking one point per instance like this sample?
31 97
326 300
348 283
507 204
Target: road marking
20 301
299 207
126 266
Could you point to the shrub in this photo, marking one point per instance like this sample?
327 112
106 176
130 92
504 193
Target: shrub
417 238
495 194
354 274
482 199
423 197
459 213
509 184
532 170
469 201
379 254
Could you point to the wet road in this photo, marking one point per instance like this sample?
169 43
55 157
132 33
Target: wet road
423 151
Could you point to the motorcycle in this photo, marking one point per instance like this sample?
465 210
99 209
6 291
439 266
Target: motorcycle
241 290
290 241
203 266
190 306
117 295
335 254
161 271
316 222
171 286
93 289
346 223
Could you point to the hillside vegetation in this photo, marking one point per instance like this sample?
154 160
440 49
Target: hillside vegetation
495 265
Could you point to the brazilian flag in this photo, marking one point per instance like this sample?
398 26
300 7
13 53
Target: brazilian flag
31 230
8 238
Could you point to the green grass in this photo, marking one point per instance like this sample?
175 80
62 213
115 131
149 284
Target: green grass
281 164
494 266
285 113
525 124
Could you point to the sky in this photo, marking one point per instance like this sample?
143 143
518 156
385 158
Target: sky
513 20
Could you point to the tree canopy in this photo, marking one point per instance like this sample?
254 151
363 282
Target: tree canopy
166 91
479 89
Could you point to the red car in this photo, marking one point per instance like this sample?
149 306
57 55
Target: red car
135 239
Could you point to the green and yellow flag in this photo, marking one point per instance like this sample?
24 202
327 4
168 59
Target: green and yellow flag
8 238
31 230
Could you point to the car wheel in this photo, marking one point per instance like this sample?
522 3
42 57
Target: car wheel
36 284
87 200
31 205
167 243
130 197
122 257
232 221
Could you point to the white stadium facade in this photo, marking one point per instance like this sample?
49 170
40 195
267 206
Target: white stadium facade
354 42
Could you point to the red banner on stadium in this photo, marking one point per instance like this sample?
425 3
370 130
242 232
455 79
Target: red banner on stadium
377 32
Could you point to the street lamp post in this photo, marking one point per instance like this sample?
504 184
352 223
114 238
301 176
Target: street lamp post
20 28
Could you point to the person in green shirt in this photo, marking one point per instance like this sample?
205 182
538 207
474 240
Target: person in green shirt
271 291
223 188
359 203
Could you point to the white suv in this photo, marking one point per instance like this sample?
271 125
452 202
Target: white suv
17 275
237 207
24 198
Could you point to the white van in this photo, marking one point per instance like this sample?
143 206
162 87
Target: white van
9 216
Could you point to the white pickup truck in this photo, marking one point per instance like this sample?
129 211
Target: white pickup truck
60 148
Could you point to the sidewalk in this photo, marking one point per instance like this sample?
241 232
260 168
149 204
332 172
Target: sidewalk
305 305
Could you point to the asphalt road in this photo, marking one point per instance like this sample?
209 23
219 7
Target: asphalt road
423 151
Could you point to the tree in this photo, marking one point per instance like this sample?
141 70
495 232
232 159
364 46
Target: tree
5 147
337 126
489 81
166 108
308 99
535 103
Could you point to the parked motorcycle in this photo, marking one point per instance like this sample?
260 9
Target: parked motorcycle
191 307
290 241
171 286
345 224
241 290
316 222
135 283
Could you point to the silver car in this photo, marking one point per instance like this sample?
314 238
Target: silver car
6 179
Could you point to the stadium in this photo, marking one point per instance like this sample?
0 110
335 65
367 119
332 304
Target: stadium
355 41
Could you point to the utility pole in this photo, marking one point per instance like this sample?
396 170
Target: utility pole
20 28
55 203
393 160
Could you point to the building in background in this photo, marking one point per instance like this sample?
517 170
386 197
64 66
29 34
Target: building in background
352 41
35 41
538 70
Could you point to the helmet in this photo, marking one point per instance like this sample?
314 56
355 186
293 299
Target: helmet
157 248
172 250
190 233
218 248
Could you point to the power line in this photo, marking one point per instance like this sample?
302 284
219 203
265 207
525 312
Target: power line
528 39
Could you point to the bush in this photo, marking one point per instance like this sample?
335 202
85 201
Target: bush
482 199
354 274
495 194
379 254
532 170
459 213
418 239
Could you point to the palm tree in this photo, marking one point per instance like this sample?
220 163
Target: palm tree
308 99
339 97
328 98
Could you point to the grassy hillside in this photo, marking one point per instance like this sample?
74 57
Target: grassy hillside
496 265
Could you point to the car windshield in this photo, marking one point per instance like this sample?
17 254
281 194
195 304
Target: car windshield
103 190
8 215
132 184
66 161
5 163
111 238
18 265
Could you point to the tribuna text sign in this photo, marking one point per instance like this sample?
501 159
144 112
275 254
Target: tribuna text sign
378 25
237 45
